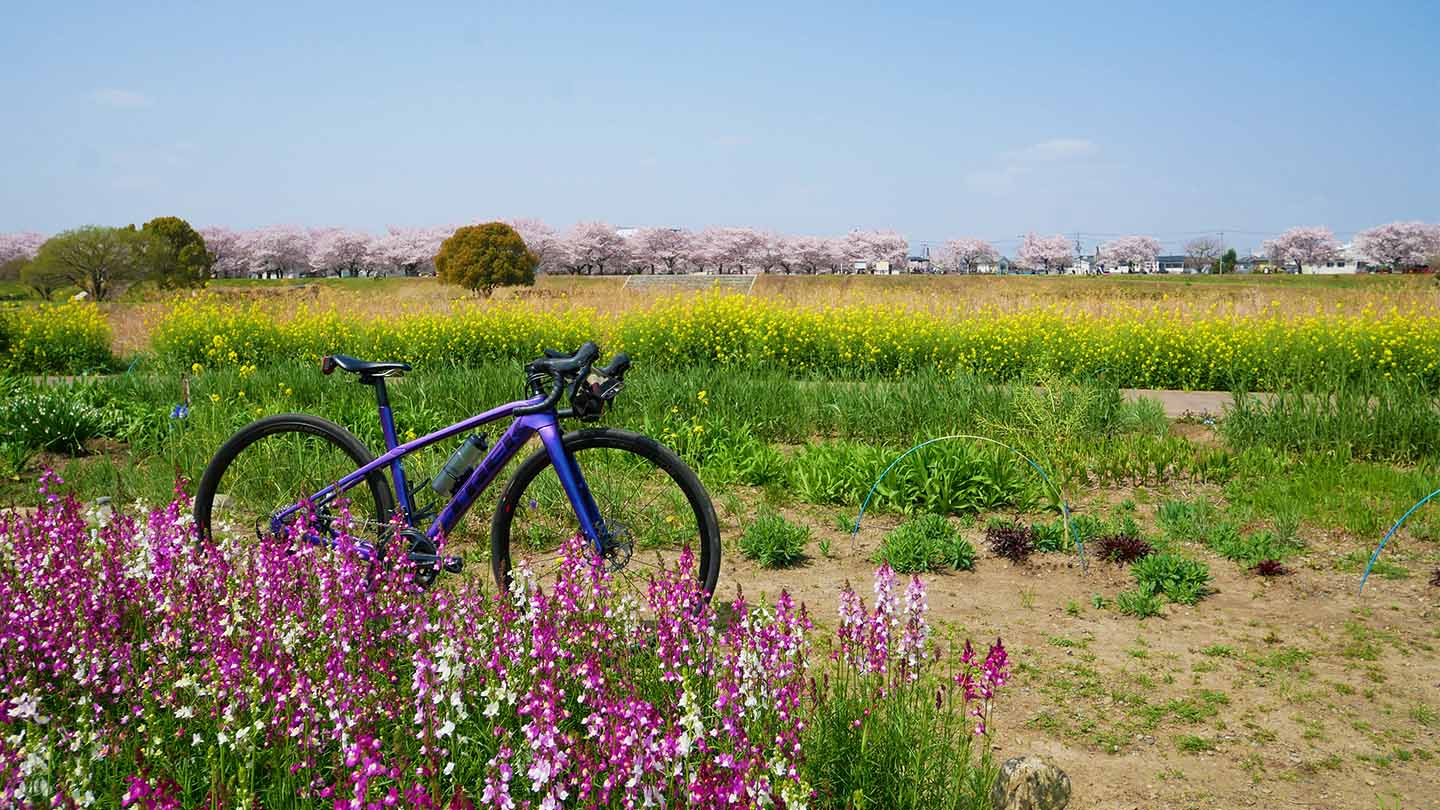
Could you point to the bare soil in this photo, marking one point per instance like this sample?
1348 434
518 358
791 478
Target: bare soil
1291 692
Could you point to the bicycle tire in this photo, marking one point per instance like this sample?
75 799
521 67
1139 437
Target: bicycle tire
381 499
707 562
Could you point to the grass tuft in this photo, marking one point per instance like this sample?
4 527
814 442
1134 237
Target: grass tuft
774 542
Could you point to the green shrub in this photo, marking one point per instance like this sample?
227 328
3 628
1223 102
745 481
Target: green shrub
1138 603
1052 537
1249 549
1180 579
924 544
67 338
774 542
483 257
50 419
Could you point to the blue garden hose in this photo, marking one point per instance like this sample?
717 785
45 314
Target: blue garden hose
1064 505
1389 534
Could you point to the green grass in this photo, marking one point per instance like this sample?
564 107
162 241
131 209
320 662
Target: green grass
774 542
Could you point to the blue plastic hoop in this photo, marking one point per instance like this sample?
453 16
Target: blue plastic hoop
1388 535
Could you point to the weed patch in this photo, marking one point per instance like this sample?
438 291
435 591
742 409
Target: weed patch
774 542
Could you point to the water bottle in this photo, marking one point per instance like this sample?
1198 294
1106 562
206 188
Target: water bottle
462 462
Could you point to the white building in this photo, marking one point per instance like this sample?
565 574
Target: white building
1348 260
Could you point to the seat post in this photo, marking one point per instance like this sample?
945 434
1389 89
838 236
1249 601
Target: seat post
387 427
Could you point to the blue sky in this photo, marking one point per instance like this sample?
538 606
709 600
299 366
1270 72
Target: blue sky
935 119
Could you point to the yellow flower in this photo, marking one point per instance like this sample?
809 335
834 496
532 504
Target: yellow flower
214 397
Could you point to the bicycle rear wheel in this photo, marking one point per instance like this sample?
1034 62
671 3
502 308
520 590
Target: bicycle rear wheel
274 462
652 505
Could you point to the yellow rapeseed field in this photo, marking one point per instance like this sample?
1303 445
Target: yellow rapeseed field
1133 345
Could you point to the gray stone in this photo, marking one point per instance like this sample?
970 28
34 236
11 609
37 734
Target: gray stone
1030 783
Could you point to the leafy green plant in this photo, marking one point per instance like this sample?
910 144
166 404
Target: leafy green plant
1138 603
924 544
774 542
1180 579
50 419
1249 549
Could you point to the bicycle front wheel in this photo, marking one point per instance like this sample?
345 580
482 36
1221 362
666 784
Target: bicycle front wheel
652 505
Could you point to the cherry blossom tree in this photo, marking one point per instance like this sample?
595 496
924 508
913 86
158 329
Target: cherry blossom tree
590 246
542 240
228 246
669 248
774 251
1302 246
967 255
409 251
815 254
278 250
871 247
728 249
19 245
338 250
1050 253
1130 251
1399 245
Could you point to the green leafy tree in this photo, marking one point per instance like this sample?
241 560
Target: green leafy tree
1228 261
45 282
10 271
483 257
176 256
94 258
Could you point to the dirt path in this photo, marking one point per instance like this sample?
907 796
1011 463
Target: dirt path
1287 693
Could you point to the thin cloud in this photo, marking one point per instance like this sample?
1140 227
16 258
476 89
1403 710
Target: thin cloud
1001 180
1055 149
121 99
1012 170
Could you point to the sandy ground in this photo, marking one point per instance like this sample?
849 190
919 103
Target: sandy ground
1294 692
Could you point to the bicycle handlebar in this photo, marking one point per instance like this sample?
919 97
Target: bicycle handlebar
566 371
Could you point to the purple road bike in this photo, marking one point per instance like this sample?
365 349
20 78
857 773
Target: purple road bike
636 504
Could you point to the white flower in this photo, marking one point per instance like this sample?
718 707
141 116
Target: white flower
26 706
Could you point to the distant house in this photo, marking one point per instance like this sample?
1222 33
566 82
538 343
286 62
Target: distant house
1170 264
1095 265
999 268
918 264
1347 261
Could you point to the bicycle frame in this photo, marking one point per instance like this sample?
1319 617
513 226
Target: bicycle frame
544 423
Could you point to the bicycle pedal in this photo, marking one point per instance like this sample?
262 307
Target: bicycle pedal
454 565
